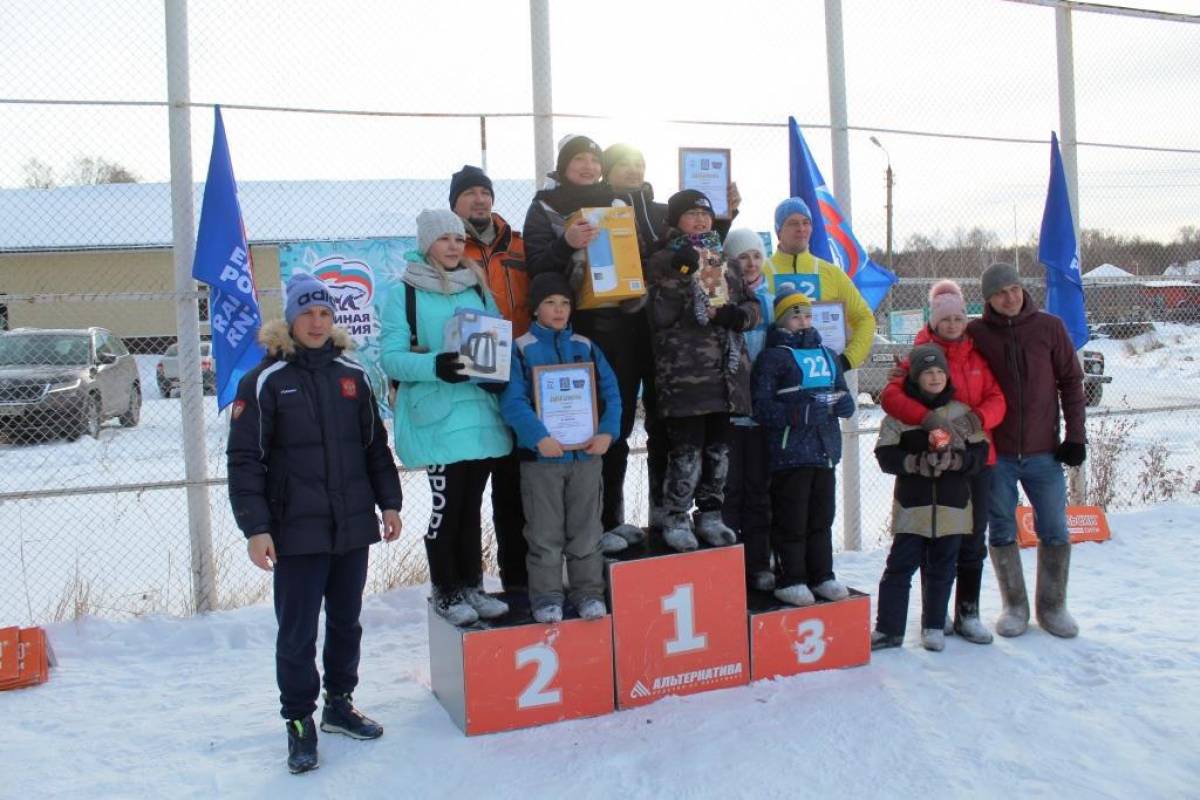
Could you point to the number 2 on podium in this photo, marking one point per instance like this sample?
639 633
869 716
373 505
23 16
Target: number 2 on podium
535 693
681 605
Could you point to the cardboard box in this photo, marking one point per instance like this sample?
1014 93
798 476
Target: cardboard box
613 263
483 341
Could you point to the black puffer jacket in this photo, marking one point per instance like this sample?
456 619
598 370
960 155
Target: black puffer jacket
308 455
546 249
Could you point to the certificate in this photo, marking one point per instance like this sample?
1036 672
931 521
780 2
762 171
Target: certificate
706 169
564 398
829 318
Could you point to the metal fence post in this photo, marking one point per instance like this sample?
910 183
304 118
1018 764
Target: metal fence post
191 382
839 123
543 89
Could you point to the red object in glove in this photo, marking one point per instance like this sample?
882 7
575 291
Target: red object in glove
939 439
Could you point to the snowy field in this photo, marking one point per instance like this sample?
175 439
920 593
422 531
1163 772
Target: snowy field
160 707
128 554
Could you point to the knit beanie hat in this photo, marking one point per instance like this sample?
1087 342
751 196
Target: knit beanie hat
743 240
686 200
945 299
545 284
793 205
433 223
304 291
468 178
617 153
788 303
997 277
571 147
923 357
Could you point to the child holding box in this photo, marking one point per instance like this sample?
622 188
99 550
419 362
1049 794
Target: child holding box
799 394
560 489
931 511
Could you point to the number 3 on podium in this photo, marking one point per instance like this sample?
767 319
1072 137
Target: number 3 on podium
681 605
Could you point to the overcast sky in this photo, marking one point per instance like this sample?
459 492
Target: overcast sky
977 67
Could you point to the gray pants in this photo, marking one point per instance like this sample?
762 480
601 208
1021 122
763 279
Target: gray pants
562 519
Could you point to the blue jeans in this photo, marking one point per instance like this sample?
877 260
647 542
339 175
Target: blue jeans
1045 486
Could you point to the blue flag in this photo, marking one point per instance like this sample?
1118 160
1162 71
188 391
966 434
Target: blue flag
223 262
1058 250
832 239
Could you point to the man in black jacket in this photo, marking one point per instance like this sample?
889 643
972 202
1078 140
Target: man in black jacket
308 463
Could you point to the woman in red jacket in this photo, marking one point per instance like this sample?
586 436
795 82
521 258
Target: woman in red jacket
974 385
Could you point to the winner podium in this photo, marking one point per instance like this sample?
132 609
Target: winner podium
679 621
789 640
499 675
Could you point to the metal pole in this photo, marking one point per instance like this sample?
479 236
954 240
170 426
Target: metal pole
187 318
891 265
1076 477
543 90
839 127
483 142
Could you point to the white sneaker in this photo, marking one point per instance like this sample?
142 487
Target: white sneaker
453 607
933 639
591 608
795 595
548 615
485 605
831 590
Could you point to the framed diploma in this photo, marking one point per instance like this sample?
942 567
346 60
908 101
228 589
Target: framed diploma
829 318
564 399
706 169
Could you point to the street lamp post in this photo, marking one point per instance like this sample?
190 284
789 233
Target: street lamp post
888 206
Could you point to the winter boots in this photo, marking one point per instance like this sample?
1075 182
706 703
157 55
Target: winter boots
831 590
884 641
632 534
795 595
454 608
340 716
966 607
677 533
302 745
1054 564
486 606
611 543
591 608
933 639
712 529
1014 618
547 608
763 581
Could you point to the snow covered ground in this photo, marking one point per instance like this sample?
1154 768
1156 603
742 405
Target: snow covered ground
161 707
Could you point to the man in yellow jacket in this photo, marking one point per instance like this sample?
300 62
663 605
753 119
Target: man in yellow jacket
822 281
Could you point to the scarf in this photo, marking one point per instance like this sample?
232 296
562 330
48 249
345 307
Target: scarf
422 275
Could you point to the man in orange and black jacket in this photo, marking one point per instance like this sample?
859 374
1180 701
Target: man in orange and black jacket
495 246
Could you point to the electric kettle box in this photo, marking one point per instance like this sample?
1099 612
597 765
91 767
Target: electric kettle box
483 341
614 265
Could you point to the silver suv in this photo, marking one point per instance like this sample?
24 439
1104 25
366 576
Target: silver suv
166 374
65 383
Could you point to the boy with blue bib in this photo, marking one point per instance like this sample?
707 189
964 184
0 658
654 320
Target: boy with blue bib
799 393
560 488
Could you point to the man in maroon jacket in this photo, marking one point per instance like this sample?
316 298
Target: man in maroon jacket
1035 364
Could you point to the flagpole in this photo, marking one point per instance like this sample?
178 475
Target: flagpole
839 124
187 318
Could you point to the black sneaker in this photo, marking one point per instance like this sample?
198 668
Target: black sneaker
302 745
340 716
885 641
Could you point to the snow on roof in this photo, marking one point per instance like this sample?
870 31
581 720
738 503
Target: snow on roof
1107 271
1177 270
138 215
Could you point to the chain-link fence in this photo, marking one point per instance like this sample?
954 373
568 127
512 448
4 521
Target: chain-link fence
344 123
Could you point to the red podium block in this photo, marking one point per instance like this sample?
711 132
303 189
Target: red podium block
1084 524
516 673
679 624
787 640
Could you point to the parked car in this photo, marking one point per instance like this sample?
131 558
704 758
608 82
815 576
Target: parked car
167 371
65 383
873 374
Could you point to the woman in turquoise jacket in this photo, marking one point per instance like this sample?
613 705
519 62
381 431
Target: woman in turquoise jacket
443 422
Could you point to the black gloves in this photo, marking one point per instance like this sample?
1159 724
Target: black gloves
449 368
686 260
845 362
730 316
1071 453
914 441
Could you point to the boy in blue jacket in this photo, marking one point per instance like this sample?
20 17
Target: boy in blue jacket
799 393
560 488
